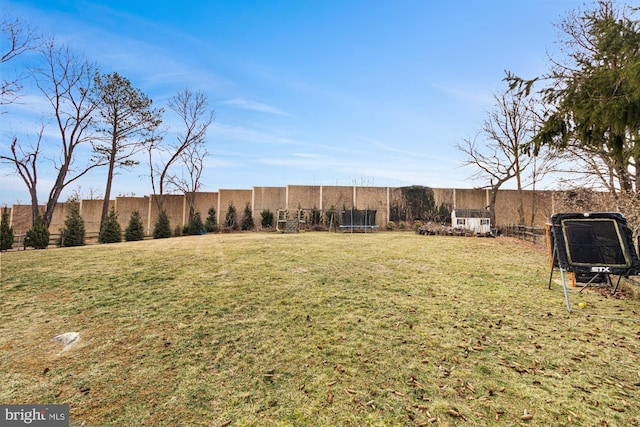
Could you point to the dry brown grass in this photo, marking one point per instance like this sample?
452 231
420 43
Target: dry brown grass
314 329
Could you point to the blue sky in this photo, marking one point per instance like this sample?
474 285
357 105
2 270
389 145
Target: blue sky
308 92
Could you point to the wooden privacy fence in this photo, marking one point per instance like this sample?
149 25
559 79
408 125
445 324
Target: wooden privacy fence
532 234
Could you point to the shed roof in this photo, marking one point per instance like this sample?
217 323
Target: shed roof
471 213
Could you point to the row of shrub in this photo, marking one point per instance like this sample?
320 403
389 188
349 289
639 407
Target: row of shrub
73 233
231 223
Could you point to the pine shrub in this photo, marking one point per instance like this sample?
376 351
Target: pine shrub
6 232
247 218
331 217
73 233
162 228
110 232
194 226
211 224
231 219
267 218
315 216
38 236
135 229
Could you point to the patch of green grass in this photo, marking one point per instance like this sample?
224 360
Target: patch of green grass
314 329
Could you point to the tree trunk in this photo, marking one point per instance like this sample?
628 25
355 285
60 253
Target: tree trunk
107 190
492 205
35 209
54 195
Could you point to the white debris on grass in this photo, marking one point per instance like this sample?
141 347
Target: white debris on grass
68 339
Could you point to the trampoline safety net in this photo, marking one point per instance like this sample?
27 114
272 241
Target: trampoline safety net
354 218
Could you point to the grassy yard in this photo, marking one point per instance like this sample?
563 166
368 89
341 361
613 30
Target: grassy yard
314 329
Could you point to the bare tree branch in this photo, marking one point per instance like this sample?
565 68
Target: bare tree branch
21 38
504 151
25 160
65 79
193 110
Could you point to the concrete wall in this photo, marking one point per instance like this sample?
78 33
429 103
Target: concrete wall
373 198
202 202
507 202
470 199
91 211
290 197
59 215
173 205
239 198
444 196
336 197
303 197
20 218
268 198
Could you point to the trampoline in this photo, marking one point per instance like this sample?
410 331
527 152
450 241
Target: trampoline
354 219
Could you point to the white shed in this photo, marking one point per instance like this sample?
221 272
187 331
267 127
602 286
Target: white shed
478 221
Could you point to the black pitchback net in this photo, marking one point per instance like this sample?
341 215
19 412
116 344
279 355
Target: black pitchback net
599 244
594 242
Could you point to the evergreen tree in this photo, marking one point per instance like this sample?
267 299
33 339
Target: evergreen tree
73 232
111 232
6 232
195 225
315 216
593 95
211 224
247 218
231 219
135 229
267 218
127 119
38 236
162 229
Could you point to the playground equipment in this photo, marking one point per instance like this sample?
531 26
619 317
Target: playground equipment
358 220
290 221
596 244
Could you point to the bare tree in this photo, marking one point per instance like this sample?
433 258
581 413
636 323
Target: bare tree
24 158
20 38
189 180
64 80
193 111
502 154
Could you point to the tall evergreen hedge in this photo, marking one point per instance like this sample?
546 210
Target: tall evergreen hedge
247 218
211 224
231 219
110 232
73 233
135 229
162 228
38 236
6 232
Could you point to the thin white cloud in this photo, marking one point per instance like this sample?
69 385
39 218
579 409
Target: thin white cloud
441 157
309 155
408 172
477 96
220 132
245 104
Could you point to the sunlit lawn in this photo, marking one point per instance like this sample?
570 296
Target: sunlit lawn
314 329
